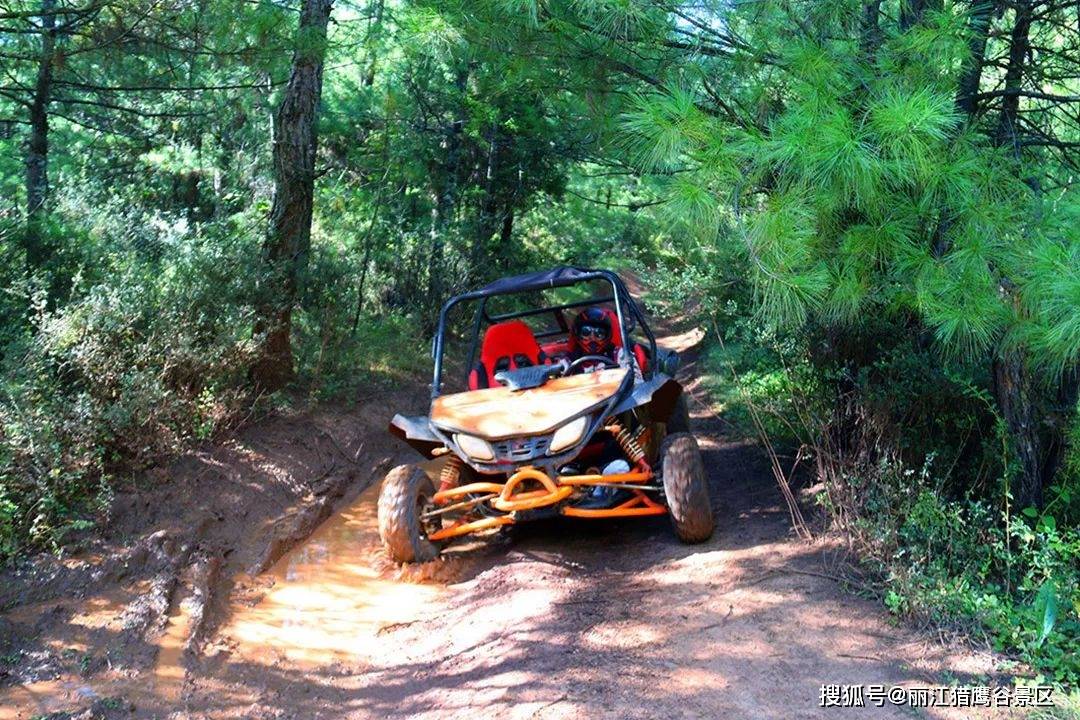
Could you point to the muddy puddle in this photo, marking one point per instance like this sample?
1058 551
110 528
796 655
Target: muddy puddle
87 623
334 593
327 601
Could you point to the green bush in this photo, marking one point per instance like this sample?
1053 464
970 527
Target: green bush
150 352
126 373
916 474
968 565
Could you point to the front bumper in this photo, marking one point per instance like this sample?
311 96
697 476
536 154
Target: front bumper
511 498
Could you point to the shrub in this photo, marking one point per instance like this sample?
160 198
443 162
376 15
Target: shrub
124 374
970 566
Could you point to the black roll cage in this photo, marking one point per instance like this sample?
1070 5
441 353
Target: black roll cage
563 277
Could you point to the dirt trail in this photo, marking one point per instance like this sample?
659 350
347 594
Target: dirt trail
555 620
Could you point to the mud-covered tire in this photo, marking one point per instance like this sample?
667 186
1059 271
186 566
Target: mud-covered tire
686 488
679 421
405 490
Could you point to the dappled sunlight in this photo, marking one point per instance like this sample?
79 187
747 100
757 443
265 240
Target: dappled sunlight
684 341
622 635
694 680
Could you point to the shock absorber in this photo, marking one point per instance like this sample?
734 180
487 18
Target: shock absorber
628 443
450 474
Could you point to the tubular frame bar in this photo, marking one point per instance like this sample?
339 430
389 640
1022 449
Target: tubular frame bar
550 308
622 298
470 527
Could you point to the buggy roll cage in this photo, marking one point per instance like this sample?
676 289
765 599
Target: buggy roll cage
543 280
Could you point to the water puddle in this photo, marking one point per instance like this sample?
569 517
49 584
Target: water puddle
333 594
45 697
88 620
169 669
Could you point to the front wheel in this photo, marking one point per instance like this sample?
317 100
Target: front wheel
687 488
406 492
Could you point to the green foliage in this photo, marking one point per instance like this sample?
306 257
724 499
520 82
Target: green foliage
130 335
122 375
901 235
968 565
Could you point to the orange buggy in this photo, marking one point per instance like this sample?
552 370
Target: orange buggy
530 436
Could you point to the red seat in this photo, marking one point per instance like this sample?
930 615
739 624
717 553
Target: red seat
507 346
616 339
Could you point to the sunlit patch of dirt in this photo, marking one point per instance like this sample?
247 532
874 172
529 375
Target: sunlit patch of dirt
682 342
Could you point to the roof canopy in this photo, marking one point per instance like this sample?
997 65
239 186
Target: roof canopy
541 280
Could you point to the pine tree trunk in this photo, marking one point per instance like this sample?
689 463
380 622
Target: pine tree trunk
288 239
912 12
487 219
37 149
374 30
1014 390
1007 132
444 198
870 29
1014 394
507 232
978 27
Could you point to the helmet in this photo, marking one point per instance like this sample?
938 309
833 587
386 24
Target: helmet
592 330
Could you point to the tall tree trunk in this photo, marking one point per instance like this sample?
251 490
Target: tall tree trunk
368 243
288 239
870 29
912 12
487 220
37 150
1019 45
506 234
978 30
1014 391
373 33
444 198
193 177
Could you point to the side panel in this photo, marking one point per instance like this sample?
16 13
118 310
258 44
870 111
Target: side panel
416 431
662 391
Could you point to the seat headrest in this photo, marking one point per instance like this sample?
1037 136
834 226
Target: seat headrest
512 337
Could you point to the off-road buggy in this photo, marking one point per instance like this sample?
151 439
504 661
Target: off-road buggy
531 436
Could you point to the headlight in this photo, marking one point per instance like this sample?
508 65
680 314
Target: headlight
568 435
474 447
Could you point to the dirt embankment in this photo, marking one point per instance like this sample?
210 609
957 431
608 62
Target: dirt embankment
167 616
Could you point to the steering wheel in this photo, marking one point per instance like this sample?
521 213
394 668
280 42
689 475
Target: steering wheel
608 362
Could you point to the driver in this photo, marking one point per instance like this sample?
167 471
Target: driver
592 335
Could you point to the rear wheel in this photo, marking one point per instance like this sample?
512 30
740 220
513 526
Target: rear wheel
686 488
406 493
